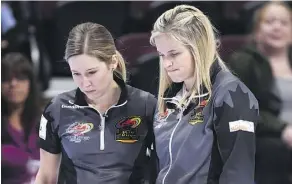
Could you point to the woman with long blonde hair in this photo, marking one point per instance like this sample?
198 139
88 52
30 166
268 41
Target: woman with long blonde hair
205 121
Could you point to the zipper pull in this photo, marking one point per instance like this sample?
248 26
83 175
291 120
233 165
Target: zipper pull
105 115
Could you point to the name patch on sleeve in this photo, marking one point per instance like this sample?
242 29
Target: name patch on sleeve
242 125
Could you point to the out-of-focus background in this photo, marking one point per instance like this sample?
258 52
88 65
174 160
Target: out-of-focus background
38 30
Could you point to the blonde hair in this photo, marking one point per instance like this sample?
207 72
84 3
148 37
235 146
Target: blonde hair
192 28
260 13
94 40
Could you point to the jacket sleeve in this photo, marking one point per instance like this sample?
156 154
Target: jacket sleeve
145 163
48 129
269 124
236 115
150 111
153 161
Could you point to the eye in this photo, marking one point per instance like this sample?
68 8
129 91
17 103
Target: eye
174 54
92 72
75 74
284 22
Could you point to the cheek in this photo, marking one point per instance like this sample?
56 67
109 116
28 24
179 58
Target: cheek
77 80
264 30
4 89
25 90
101 78
26 87
186 65
288 31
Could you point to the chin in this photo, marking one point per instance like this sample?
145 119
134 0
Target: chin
176 80
91 96
277 45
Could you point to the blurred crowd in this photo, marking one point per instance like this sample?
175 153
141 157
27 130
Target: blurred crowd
255 41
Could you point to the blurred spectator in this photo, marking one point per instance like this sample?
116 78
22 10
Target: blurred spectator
20 113
265 66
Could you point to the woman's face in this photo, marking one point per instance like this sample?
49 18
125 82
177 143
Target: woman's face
15 89
92 76
175 57
275 29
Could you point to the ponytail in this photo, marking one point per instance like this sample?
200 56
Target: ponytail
121 68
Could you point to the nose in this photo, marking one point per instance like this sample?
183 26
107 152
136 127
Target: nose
13 82
86 82
167 62
278 25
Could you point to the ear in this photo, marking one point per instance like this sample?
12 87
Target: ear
114 63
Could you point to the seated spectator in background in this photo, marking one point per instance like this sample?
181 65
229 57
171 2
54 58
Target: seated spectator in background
20 112
265 66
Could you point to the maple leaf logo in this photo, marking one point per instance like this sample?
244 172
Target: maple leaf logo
238 106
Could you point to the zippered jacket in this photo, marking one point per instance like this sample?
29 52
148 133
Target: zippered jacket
212 140
107 148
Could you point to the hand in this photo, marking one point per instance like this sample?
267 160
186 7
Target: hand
287 135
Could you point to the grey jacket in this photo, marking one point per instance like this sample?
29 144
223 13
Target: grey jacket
210 141
107 148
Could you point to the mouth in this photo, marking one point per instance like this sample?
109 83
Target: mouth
90 91
169 71
276 37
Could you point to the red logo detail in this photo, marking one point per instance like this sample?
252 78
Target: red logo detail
203 103
80 129
129 122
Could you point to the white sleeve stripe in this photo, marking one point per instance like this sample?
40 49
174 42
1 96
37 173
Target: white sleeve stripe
43 128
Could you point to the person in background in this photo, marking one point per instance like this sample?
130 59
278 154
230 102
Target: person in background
206 117
21 110
265 66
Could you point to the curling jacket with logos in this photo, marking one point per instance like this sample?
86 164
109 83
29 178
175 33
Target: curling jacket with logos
107 148
212 142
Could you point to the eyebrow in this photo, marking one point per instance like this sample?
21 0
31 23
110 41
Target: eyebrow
86 70
169 51
172 51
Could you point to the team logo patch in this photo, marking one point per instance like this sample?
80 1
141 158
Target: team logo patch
197 115
77 131
127 129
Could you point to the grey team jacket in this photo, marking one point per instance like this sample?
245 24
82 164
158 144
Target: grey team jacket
212 142
97 148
